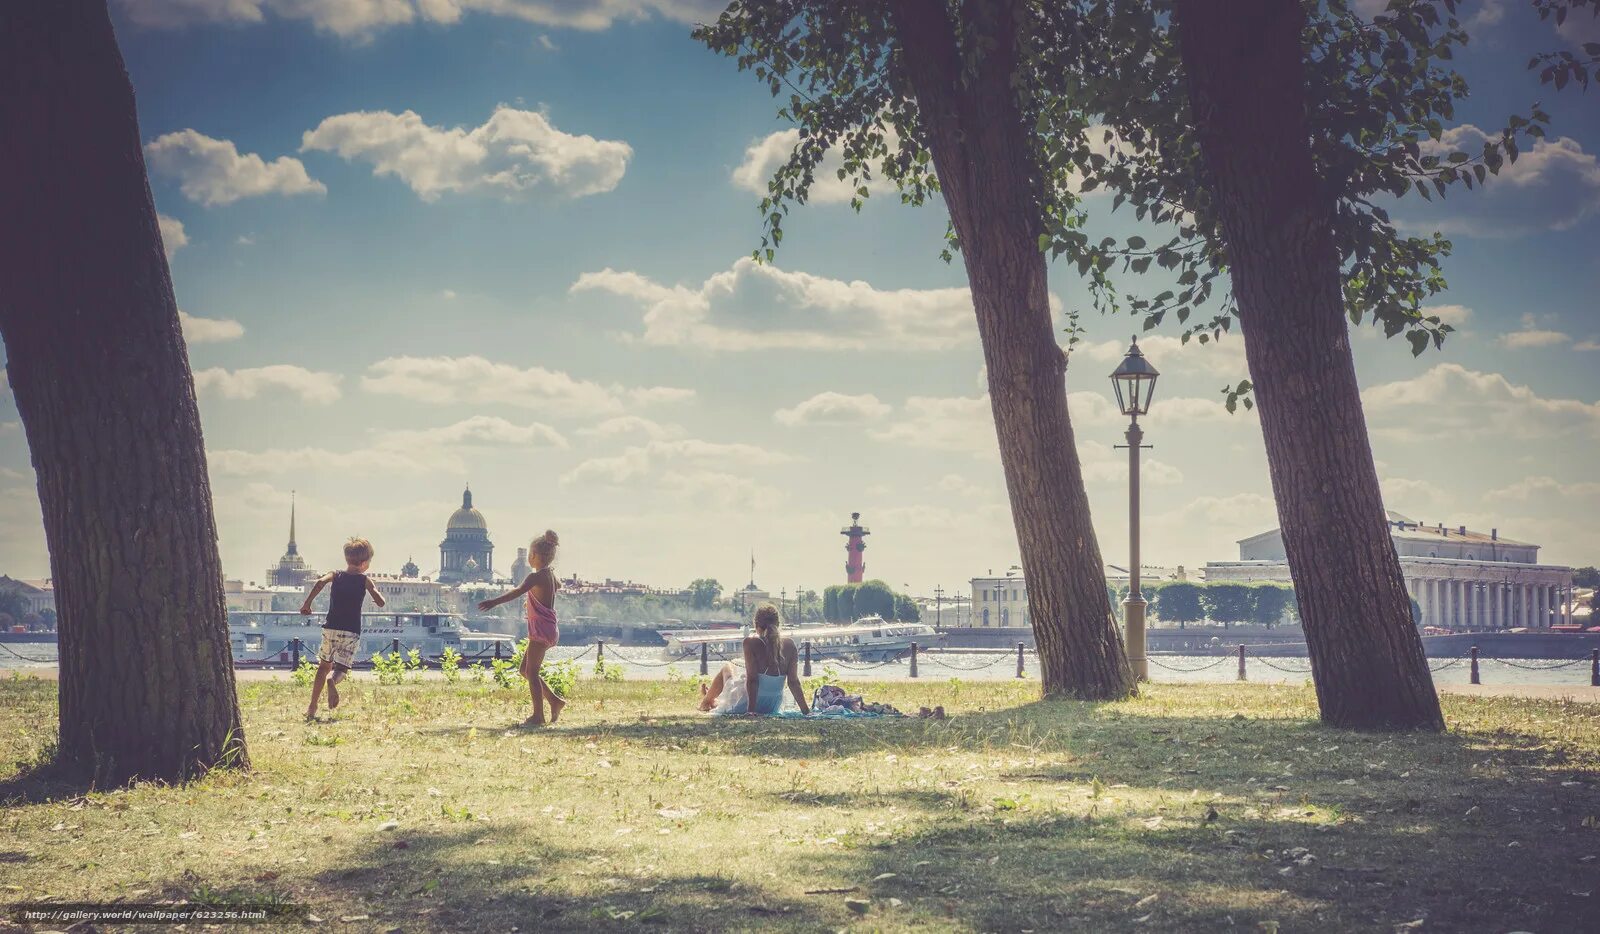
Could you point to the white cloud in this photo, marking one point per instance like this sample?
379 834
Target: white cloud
478 430
719 491
1224 358
236 463
760 307
358 19
173 237
641 461
1454 315
1545 488
1451 401
212 171
1553 185
410 451
1587 344
1581 26
626 425
764 156
515 152
198 330
833 408
1235 516
1403 495
1533 337
475 380
311 386
951 423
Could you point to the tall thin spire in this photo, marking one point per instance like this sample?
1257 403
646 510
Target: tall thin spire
292 547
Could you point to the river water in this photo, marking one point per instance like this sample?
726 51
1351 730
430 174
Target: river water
644 662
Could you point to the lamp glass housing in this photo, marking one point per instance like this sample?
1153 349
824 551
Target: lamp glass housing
1134 381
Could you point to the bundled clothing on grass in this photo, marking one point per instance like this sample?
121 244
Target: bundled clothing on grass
830 700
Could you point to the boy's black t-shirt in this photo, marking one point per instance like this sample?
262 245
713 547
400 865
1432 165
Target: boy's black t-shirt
345 596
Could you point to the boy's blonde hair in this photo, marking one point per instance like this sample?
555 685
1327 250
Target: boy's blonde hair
357 550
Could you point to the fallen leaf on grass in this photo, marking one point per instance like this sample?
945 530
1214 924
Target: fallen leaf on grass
1146 902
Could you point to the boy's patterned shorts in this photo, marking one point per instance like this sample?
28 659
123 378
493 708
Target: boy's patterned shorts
339 647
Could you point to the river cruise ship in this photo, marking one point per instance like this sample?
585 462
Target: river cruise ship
870 638
266 639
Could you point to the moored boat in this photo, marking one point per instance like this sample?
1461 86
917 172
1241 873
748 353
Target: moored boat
870 638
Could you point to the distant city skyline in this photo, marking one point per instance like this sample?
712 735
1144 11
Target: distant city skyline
527 266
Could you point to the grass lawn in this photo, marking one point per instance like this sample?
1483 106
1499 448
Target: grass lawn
423 807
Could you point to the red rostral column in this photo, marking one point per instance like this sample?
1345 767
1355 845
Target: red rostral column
856 566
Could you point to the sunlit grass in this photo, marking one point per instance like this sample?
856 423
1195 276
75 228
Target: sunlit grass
423 807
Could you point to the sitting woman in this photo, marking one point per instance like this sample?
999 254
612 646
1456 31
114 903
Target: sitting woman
769 661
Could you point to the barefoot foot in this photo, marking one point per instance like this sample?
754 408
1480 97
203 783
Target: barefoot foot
333 696
556 706
311 715
533 721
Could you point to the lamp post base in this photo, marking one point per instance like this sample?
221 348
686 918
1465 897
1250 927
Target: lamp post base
1133 612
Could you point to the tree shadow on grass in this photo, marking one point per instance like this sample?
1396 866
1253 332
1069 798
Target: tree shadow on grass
45 781
441 880
1049 873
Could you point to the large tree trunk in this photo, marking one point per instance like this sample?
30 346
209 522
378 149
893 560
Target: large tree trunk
980 150
97 362
1247 93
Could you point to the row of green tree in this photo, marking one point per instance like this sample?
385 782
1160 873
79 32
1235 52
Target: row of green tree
1226 602
843 603
1264 603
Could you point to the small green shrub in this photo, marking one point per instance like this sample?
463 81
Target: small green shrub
391 668
305 673
414 665
450 665
561 676
478 673
608 671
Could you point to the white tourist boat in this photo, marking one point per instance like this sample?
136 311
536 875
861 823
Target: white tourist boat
870 638
268 638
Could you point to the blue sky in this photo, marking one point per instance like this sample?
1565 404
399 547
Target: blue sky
426 242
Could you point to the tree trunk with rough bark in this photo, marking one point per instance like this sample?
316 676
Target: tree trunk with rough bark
97 362
980 150
1246 80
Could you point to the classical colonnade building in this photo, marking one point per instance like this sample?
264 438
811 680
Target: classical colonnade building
1460 578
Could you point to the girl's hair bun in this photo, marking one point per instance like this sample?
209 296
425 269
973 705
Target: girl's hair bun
551 537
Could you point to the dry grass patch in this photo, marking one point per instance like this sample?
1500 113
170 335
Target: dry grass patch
424 807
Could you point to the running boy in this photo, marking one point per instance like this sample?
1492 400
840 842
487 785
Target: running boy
341 633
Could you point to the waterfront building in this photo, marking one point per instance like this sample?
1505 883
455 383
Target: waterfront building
519 567
410 592
1461 578
466 555
242 598
38 595
1000 601
409 569
291 569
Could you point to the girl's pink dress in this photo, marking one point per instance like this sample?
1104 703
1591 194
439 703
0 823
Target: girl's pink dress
542 628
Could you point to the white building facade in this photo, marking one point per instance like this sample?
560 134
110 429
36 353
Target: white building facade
1461 579
999 601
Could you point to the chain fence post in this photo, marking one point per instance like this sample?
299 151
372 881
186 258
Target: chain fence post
808 658
294 651
600 654
1475 666
1020 647
1241 662
497 649
1594 668
705 657
913 659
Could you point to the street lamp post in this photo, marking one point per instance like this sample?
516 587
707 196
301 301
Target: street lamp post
1135 383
